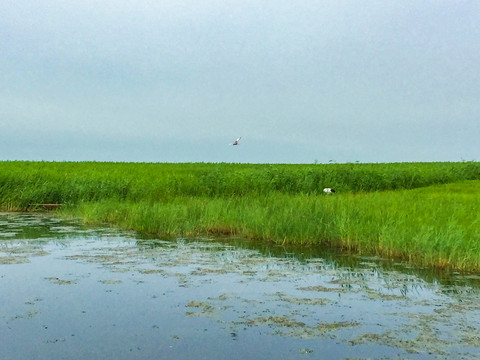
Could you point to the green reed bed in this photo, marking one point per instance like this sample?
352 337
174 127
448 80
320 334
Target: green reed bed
426 213
22 183
436 226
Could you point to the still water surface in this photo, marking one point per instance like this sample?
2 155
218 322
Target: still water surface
72 292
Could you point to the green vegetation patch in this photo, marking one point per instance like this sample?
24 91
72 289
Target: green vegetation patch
425 213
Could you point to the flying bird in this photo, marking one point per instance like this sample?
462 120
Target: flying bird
237 141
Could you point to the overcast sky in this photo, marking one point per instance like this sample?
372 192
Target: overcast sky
299 81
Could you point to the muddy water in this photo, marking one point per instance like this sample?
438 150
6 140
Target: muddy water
71 292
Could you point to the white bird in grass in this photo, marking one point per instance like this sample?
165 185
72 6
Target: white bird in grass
237 141
329 191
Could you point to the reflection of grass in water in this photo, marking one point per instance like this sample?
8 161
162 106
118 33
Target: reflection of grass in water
375 295
19 251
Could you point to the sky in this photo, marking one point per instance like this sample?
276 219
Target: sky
300 81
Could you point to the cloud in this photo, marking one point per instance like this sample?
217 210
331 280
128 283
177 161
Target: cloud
297 79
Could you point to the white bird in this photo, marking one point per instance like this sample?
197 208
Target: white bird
329 191
237 141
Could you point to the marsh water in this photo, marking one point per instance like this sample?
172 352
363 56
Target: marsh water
68 291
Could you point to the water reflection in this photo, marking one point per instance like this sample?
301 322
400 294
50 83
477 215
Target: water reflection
317 258
79 292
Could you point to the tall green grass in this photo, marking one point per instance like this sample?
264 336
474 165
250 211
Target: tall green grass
425 213
23 183
437 226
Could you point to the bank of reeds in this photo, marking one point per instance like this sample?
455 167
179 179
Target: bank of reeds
437 226
22 183
409 211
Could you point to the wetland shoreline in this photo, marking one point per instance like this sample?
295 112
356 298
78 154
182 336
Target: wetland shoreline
425 213
79 291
